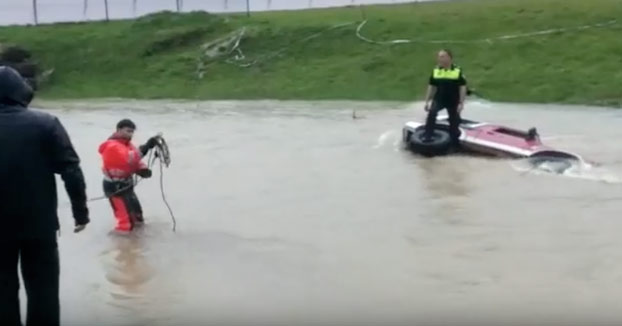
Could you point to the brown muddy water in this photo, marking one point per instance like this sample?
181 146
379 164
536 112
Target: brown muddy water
293 213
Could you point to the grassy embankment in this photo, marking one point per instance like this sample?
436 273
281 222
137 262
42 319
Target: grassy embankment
156 56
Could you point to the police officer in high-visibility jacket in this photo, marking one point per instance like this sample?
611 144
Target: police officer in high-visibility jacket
447 89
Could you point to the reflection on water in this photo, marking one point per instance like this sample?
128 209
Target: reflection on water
448 189
443 182
128 271
293 213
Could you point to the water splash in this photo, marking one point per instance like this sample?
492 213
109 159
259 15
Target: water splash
591 173
561 137
390 136
569 169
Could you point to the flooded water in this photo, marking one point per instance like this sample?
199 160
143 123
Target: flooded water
293 213
50 11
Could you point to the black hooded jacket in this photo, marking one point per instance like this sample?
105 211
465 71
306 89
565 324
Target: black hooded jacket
34 146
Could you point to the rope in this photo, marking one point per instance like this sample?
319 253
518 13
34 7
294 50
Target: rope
135 182
164 158
240 57
485 40
210 51
236 55
164 198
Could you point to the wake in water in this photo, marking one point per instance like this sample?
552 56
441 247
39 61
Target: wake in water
568 168
392 136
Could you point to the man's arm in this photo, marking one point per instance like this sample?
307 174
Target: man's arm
463 93
430 92
463 90
67 163
142 169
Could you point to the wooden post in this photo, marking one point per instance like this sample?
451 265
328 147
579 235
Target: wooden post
34 12
248 8
106 7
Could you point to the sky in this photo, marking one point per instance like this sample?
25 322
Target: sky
49 11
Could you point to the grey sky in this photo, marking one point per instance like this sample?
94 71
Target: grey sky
21 11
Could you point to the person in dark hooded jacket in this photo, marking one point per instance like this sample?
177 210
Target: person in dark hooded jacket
35 146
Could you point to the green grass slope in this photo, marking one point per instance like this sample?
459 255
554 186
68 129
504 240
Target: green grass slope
298 55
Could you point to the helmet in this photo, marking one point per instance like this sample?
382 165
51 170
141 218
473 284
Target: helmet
13 88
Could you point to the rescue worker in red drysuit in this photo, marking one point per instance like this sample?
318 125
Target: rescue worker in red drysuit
121 160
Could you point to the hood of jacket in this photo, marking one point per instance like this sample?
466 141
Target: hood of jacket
115 138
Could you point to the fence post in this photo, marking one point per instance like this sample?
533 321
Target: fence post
85 9
106 7
34 12
134 7
248 8
363 13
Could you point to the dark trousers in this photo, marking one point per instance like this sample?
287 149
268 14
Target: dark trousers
40 269
125 204
454 120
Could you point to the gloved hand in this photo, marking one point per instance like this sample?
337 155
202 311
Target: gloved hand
152 142
144 173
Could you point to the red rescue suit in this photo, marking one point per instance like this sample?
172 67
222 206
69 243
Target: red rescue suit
121 160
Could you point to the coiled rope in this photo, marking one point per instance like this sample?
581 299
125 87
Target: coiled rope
162 154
